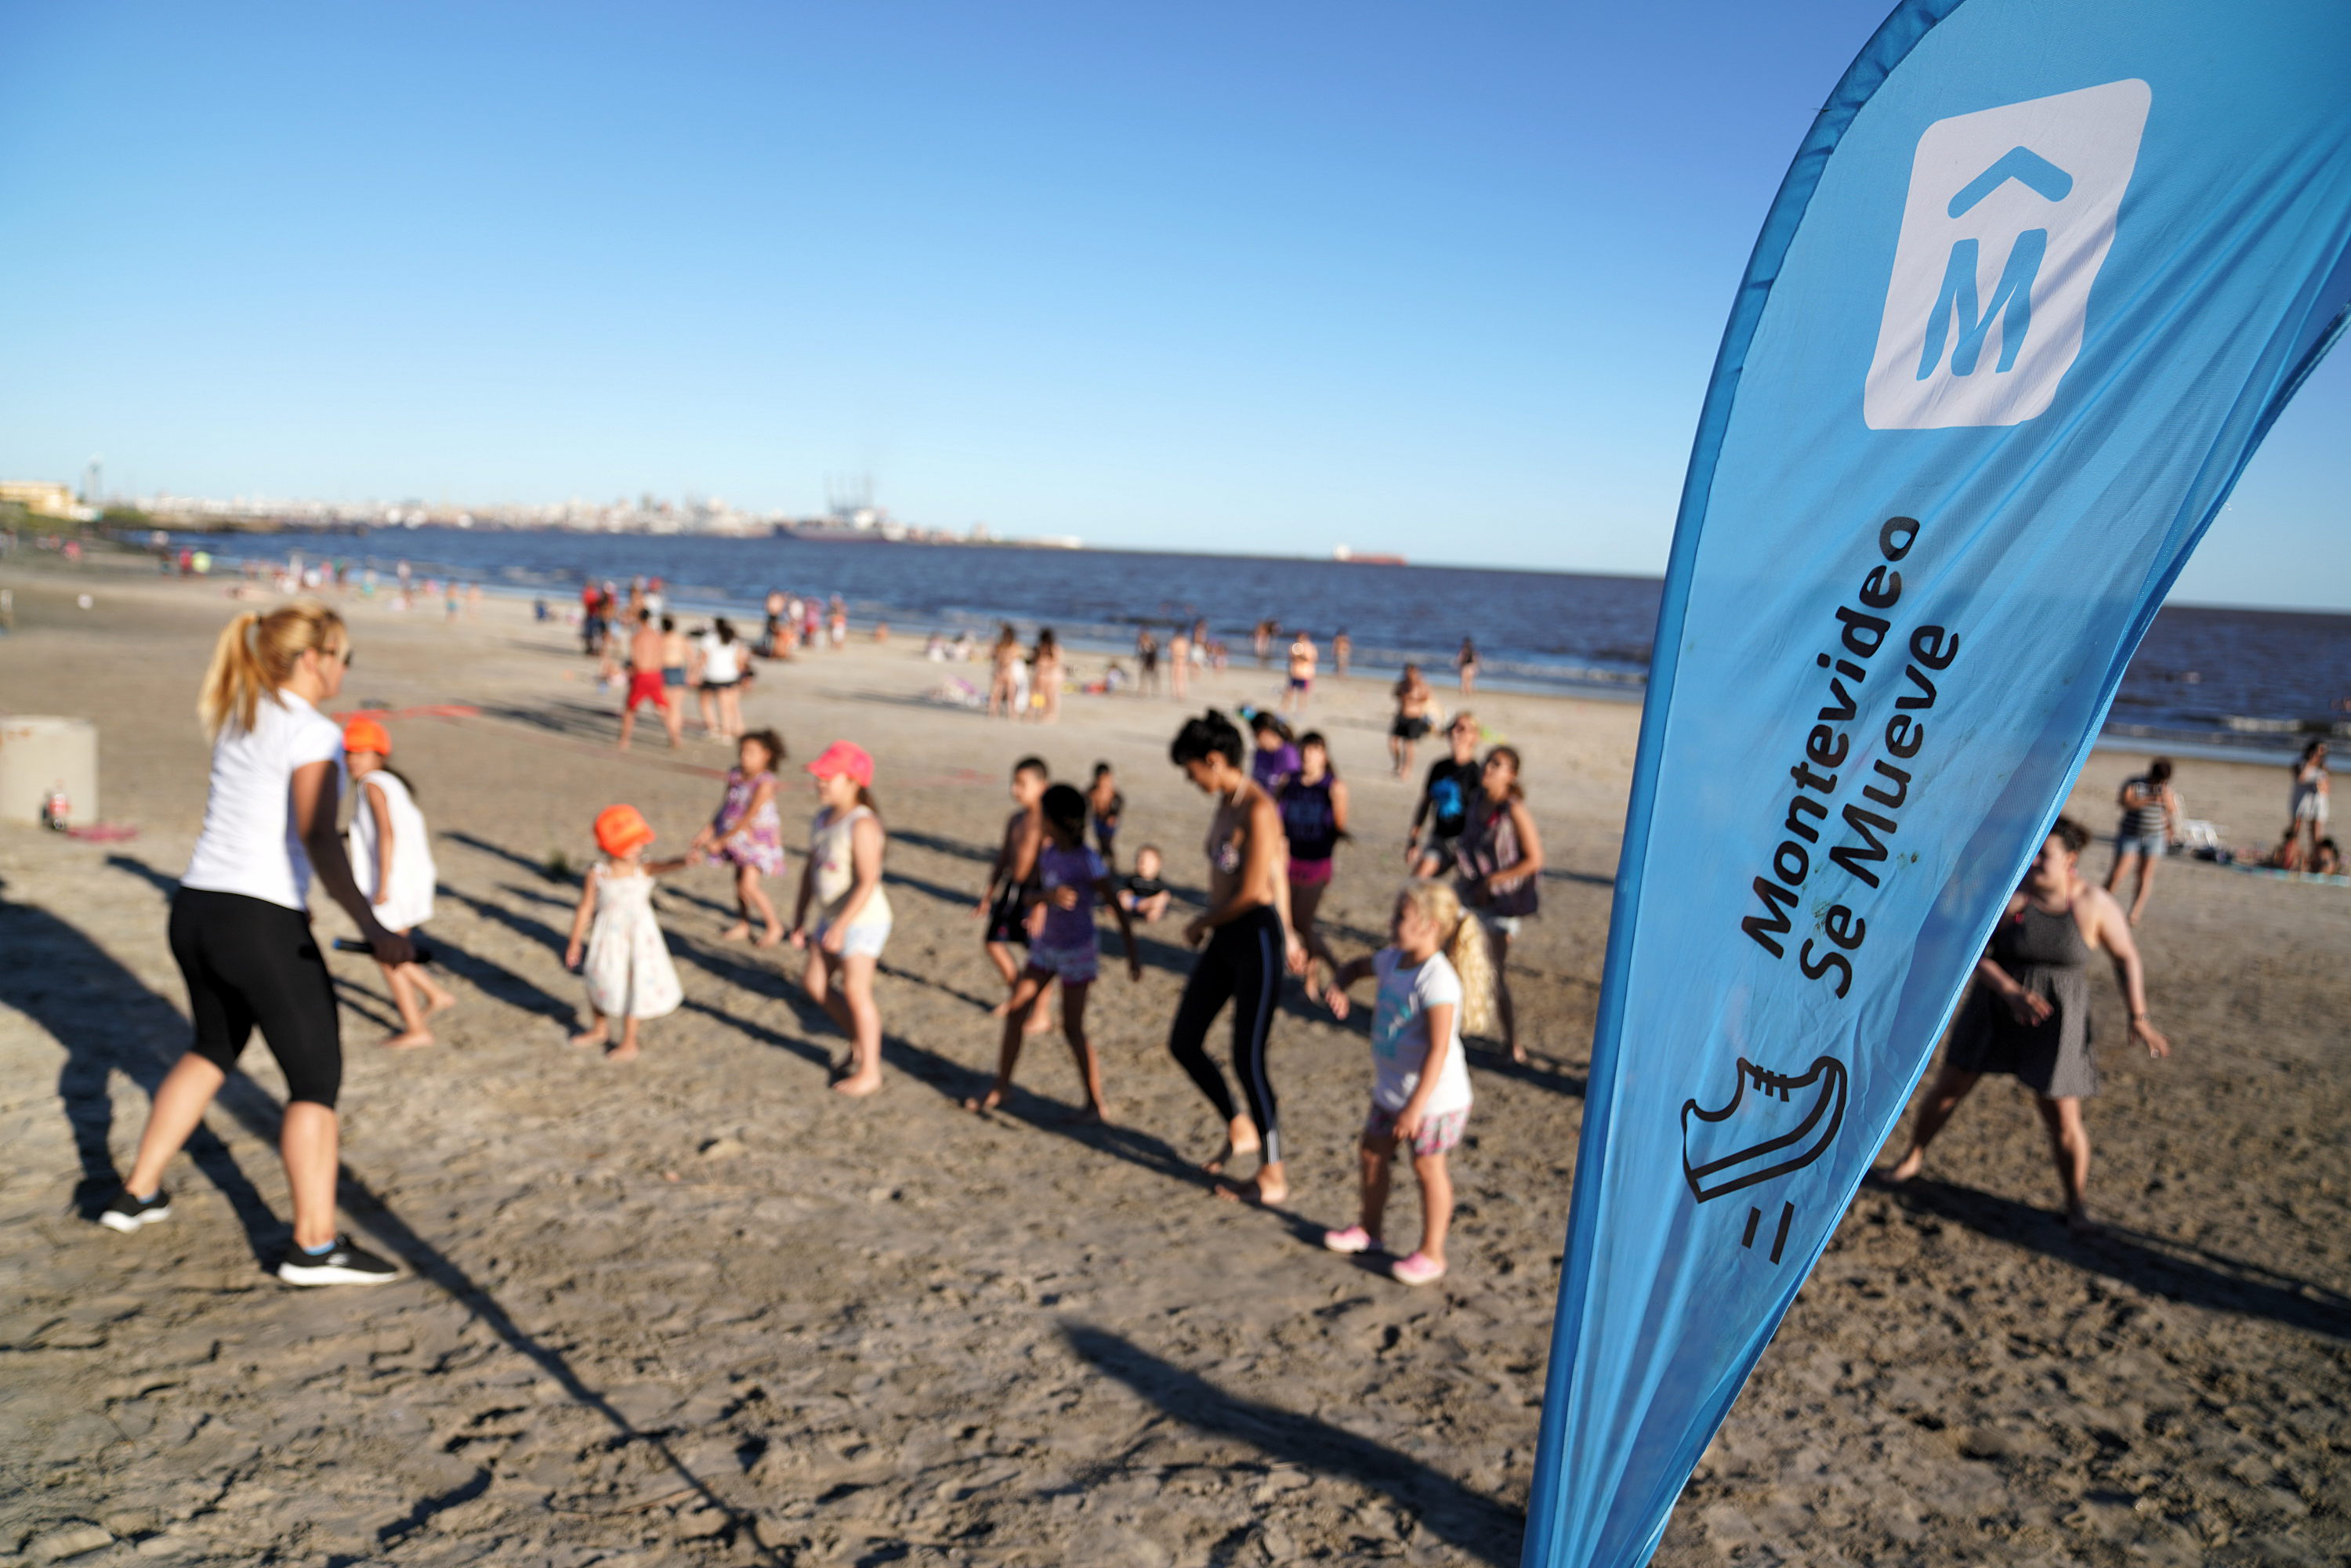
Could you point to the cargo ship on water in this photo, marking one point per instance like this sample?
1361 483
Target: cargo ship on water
1365 558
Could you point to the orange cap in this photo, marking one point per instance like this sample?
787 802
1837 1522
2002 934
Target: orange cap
620 829
367 735
844 757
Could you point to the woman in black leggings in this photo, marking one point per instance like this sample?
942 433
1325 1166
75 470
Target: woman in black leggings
1249 941
240 928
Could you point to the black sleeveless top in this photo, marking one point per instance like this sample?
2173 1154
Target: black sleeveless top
1308 820
2047 954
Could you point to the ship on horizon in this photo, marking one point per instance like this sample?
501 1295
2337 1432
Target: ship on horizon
1366 557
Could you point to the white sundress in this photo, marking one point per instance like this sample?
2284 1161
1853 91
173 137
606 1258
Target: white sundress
627 969
413 872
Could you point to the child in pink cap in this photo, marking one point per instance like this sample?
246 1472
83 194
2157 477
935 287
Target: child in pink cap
843 880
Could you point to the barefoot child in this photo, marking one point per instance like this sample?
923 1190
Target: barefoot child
629 973
843 880
747 834
1072 881
391 860
1435 974
1012 879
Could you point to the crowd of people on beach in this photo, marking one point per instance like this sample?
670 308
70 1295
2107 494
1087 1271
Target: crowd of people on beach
1279 814
1468 877
1471 863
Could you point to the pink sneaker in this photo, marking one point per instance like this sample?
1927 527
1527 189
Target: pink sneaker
1419 1268
1355 1238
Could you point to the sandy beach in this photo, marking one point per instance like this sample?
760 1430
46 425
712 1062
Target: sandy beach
697 1309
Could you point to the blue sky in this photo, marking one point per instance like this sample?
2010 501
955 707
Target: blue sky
1440 280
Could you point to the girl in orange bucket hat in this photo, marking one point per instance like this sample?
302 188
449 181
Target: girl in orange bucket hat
391 860
628 969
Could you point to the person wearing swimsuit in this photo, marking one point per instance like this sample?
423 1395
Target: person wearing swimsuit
1048 664
2307 825
1146 664
1247 929
771 629
1304 655
2028 1014
647 683
1413 701
1012 888
677 658
2151 824
1000 685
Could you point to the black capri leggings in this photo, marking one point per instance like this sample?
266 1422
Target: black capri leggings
1242 964
248 961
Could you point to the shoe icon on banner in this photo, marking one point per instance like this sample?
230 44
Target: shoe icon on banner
1774 1123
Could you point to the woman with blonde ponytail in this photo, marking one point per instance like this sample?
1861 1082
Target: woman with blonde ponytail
1435 976
234 679
241 924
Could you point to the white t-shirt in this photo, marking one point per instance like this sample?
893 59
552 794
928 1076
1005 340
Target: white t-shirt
1400 1033
249 844
721 662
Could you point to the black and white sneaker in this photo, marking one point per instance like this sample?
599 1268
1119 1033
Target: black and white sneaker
128 1214
344 1263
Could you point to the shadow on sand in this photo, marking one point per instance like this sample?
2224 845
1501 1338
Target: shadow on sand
108 1021
495 979
1538 1071
1465 1520
2176 1270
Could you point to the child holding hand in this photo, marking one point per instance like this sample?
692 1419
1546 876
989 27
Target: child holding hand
1434 976
627 969
746 835
391 860
1071 882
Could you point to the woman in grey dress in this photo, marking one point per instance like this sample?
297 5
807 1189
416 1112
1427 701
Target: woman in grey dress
2028 1014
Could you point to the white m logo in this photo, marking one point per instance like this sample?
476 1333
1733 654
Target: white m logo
2030 191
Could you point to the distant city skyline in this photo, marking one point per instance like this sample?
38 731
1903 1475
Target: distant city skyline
851 511
1442 285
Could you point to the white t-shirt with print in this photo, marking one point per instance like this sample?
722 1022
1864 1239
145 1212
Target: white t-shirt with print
1400 1033
249 845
